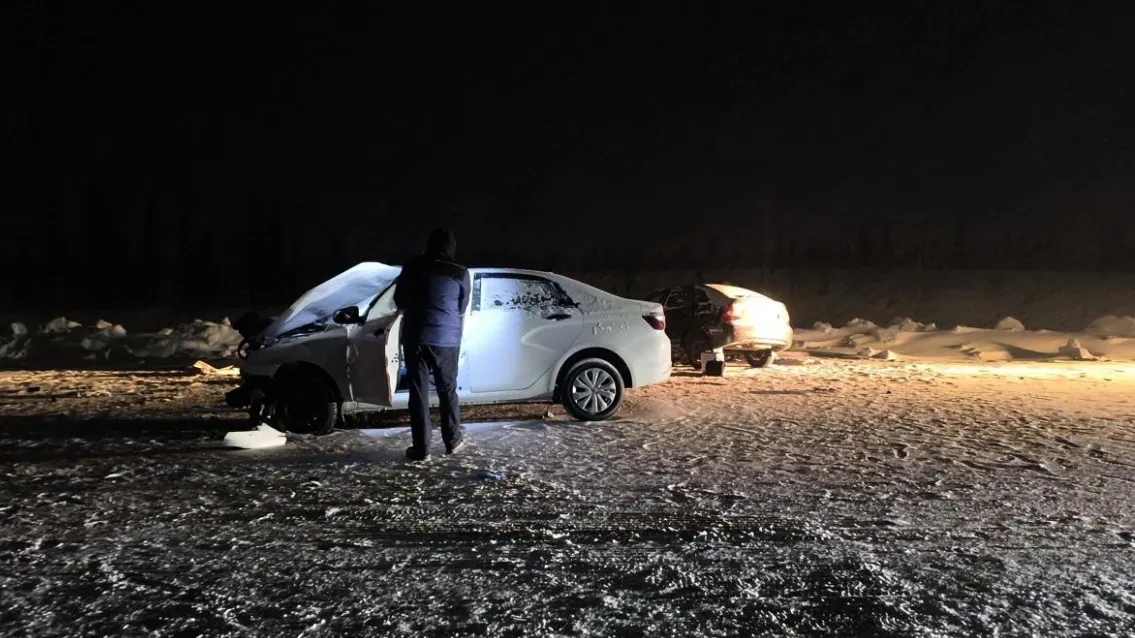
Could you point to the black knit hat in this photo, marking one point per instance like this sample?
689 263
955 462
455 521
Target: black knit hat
442 243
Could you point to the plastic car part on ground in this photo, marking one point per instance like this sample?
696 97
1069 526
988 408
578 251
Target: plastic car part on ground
206 368
264 436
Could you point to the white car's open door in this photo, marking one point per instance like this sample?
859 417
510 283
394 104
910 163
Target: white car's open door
372 370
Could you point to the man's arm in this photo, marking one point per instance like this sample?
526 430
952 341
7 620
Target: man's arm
400 293
465 296
403 286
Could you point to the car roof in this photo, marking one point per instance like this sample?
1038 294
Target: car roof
718 287
513 271
731 291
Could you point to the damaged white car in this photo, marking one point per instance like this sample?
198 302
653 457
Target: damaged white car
529 337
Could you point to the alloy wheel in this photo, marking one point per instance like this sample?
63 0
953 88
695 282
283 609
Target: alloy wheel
593 390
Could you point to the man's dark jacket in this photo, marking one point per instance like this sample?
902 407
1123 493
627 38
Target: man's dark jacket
433 293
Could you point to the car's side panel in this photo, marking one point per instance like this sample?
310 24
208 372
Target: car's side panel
518 326
618 326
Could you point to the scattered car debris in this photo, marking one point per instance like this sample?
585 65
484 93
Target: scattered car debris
264 436
227 371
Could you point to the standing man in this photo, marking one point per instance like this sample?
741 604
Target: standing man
433 292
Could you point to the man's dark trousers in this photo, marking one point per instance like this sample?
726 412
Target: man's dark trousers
441 362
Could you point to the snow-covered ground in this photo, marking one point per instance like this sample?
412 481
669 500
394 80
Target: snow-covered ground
820 496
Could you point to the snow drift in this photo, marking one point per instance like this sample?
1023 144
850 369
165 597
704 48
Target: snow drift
61 341
1108 338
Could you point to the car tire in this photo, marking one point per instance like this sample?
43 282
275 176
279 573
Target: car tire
304 404
695 345
592 390
760 358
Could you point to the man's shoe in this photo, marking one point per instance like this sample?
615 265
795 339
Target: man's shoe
414 454
456 447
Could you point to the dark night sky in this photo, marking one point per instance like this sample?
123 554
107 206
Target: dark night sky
546 134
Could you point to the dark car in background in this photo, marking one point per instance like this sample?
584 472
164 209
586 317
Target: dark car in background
705 317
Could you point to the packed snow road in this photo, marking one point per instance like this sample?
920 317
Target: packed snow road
827 497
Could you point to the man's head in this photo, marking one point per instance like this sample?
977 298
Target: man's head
442 243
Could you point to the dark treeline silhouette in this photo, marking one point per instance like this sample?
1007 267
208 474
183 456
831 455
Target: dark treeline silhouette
258 256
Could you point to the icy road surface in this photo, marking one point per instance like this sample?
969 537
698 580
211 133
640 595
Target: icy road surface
824 498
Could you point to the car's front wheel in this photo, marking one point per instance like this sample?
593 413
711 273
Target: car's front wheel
592 390
760 358
304 404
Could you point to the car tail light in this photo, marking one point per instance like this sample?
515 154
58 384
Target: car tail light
657 322
735 312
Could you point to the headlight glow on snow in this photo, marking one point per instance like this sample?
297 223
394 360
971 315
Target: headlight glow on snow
1042 370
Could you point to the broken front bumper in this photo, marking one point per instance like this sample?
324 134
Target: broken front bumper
747 339
253 390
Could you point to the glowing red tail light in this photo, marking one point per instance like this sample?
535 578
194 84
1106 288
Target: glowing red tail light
734 312
657 322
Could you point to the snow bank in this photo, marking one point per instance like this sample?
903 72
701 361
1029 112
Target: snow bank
61 341
1108 338
1009 324
1113 326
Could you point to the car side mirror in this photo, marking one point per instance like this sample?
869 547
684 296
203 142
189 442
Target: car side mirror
347 316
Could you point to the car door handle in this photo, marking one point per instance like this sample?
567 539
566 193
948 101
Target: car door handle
560 316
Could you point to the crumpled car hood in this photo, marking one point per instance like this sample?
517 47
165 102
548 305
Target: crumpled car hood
352 287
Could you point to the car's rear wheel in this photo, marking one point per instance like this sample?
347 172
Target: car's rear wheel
592 390
304 404
759 358
695 345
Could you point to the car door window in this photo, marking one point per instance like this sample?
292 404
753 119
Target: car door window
679 299
702 301
383 305
517 293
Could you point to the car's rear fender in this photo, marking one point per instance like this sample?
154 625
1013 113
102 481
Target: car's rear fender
592 352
